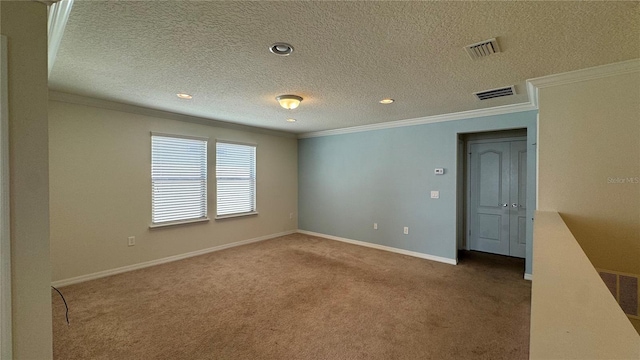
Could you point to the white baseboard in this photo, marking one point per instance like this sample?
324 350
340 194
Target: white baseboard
383 247
105 273
528 276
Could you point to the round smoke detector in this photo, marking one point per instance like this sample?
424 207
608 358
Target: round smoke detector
282 49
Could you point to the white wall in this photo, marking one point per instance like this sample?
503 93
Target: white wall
589 172
100 178
24 23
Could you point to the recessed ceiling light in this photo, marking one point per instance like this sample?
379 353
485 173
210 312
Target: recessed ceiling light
386 101
291 120
184 96
282 49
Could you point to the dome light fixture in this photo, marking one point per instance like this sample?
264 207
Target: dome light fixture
184 96
280 48
289 102
291 120
386 101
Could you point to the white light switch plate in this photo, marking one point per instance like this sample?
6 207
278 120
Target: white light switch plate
435 194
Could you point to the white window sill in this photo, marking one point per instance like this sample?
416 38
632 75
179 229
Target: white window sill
179 222
221 217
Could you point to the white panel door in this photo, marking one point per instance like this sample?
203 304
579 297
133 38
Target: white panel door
497 197
490 170
518 199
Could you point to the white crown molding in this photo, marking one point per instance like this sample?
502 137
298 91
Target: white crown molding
596 72
140 110
382 247
533 85
532 92
105 273
57 21
469 114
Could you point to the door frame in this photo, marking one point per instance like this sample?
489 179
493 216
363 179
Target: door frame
479 138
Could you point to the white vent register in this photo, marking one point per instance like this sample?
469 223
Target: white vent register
494 93
482 49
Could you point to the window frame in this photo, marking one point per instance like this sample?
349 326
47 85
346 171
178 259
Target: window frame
206 182
255 180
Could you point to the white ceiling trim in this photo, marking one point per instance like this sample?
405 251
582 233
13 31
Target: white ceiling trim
140 110
469 114
533 85
596 72
58 17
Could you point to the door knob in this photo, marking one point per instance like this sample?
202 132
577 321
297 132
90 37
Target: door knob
514 205
505 205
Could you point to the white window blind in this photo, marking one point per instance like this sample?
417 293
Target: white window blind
235 178
178 179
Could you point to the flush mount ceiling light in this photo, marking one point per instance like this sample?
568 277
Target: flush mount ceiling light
291 120
282 49
184 96
289 102
386 101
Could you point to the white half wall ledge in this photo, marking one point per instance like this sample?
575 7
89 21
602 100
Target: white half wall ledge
382 247
573 315
123 269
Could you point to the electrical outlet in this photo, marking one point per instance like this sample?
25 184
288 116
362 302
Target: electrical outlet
375 226
406 230
132 240
290 216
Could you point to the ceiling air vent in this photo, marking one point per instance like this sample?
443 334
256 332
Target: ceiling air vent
494 93
482 49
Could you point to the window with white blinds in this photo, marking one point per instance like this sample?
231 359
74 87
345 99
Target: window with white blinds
178 179
235 179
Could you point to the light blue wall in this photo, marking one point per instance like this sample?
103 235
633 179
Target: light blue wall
347 182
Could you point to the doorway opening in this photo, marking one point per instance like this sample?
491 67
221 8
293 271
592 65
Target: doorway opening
492 192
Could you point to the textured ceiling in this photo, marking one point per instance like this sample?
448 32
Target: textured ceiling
348 55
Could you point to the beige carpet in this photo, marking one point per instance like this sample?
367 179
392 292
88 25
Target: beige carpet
300 297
